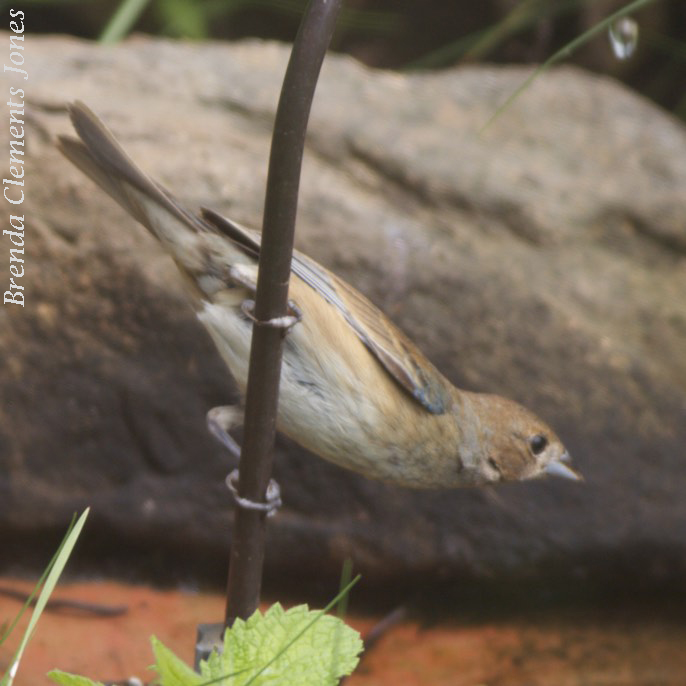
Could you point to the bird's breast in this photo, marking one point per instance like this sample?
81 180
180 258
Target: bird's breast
336 399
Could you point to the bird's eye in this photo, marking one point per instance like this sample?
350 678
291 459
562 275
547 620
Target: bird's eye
538 444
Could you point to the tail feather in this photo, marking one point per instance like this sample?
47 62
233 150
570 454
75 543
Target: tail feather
79 155
100 157
113 163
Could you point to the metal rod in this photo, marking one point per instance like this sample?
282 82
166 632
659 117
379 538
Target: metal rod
281 201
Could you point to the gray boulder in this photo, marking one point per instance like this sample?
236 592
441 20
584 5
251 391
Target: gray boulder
543 258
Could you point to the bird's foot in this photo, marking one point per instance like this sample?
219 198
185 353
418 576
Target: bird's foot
220 420
286 322
272 496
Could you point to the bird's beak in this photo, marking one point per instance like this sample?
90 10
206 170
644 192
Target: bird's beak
562 468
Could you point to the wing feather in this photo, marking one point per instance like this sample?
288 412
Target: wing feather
397 354
395 351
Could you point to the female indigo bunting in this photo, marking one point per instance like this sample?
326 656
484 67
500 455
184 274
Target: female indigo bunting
354 389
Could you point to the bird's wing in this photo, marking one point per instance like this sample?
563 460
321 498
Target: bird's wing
99 156
247 239
396 352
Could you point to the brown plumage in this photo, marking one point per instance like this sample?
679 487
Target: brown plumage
354 389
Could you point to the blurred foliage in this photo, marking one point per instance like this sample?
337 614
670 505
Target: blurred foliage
417 34
196 19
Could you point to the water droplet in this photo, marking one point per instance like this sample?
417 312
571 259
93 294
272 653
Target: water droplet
624 37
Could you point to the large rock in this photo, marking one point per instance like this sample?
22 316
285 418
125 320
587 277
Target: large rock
543 258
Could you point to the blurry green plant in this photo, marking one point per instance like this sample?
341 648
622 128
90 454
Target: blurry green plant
523 16
46 585
480 44
199 19
567 50
193 18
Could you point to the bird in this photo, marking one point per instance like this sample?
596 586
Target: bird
354 389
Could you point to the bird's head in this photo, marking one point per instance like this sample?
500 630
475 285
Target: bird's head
513 444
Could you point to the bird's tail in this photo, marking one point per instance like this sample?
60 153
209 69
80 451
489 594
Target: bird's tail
98 155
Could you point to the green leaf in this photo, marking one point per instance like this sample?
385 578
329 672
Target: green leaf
66 679
301 647
298 647
172 670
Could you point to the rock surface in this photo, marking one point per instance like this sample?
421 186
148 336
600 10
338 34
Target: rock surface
543 258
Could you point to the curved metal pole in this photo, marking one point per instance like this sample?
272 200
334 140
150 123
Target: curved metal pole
281 201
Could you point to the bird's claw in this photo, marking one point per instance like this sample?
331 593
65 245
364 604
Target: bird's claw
273 496
286 322
220 420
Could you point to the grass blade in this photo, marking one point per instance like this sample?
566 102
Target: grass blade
51 578
122 20
566 51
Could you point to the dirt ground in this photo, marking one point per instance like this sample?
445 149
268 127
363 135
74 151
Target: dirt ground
573 648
